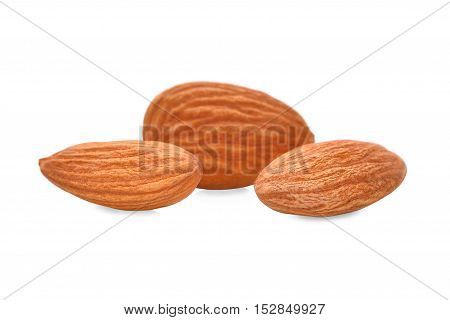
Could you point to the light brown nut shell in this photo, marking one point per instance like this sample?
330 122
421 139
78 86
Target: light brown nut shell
127 175
329 178
234 131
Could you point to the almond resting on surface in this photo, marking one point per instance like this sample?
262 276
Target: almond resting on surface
329 178
234 131
126 175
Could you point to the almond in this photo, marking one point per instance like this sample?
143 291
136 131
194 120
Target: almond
127 175
329 178
234 131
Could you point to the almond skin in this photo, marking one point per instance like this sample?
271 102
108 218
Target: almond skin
126 175
234 131
329 178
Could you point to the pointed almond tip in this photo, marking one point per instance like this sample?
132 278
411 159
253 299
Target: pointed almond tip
41 162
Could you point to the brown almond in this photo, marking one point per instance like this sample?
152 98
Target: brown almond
127 175
234 131
330 178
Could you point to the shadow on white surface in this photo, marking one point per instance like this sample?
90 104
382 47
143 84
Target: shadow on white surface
340 217
350 215
222 193
116 212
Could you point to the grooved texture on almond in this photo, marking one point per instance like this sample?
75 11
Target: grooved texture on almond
127 175
234 131
329 178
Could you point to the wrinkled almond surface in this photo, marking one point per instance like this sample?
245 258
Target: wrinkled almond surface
127 175
329 178
234 131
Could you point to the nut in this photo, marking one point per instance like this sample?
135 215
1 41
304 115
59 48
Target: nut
234 131
329 178
127 175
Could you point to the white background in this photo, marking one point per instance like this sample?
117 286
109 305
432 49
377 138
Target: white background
224 247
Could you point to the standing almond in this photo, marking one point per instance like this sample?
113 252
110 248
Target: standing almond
330 178
234 131
127 175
